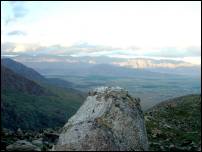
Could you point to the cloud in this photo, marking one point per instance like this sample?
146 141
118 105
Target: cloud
7 47
17 32
33 48
191 51
85 49
89 48
9 19
18 11
194 51
78 49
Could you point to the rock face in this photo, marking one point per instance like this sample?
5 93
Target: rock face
109 120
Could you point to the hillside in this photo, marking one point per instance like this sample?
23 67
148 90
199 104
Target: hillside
29 105
15 82
33 75
175 124
21 69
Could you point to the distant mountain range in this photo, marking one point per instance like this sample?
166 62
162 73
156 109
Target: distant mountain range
29 101
44 62
151 63
162 66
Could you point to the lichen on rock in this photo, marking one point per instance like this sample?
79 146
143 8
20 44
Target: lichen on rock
109 119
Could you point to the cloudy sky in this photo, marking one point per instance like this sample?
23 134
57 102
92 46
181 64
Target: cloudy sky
116 29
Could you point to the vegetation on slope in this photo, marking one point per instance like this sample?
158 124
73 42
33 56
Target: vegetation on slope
175 124
27 104
25 111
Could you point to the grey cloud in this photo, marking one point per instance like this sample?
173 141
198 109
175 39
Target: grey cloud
57 49
7 47
88 48
16 32
85 49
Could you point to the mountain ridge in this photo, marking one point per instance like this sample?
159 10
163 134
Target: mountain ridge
14 81
30 105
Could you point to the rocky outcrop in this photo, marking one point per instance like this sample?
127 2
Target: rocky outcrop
24 140
22 145
110 119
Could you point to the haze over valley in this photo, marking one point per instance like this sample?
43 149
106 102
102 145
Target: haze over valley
151 83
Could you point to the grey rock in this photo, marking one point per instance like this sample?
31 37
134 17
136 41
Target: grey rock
199 148
110 119
38 142
19 131
22 145
7 132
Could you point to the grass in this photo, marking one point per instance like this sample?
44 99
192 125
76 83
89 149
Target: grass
184 121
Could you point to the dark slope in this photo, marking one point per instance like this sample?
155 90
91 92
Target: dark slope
15 82
28 105
60 83
20 69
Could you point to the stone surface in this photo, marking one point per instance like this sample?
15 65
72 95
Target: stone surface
22 145
110 119
44 139
38 142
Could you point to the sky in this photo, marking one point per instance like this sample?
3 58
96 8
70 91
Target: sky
117 29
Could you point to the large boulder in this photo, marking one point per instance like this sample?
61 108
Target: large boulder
110 119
